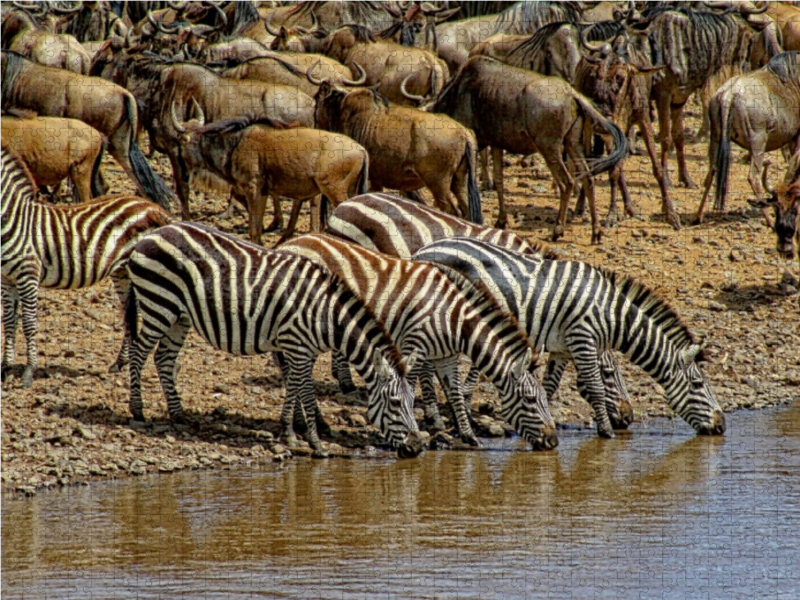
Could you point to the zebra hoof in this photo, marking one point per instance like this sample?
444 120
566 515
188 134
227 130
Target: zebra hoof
138 422
116 367
607 433
320 453
471 440
27 377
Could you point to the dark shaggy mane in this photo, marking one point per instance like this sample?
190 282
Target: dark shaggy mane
784 66
286 65
534 44
653 307
235 124
360 32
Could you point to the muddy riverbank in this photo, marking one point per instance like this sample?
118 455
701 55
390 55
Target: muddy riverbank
723 277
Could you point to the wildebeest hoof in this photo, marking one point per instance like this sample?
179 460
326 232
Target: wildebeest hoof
273 226
674 220
501 223
558 233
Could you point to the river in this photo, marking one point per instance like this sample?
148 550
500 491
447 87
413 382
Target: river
656 513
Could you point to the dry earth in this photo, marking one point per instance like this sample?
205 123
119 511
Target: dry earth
723 277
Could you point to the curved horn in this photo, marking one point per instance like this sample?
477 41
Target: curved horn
314 23
309 75
175 123
268 23
157 24
202 31
201 117
746 10
29 8
67 11
601 47
430 9
178 6
407 94
362 79
221 14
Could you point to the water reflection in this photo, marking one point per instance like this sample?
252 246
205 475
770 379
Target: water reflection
658 513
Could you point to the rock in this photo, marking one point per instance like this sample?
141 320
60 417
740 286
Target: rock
222 388
716 306
94 469
84 432
357 420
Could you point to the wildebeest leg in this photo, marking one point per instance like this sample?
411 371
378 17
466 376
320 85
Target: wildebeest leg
667 208
181 185
680 148
486 179
626 194
442 198
315 207
613 180
289 231
229 212
665 131
256 205
277 220
566 184
497 168
458 188
758 144
81 176
706 189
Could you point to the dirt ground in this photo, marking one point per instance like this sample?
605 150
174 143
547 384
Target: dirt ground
724 277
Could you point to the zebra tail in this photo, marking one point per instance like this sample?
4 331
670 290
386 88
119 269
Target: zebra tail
132 314
473 192
96 185
722 159
152 185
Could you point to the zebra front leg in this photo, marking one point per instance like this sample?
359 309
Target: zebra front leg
553 374
300 388
447 370
340 369
166 355
10 314
590 386
470 383
288 410
425 372
121 286
28 289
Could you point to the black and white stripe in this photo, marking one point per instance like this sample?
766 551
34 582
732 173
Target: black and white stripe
398 227
576 309
64 247
247 300
439 315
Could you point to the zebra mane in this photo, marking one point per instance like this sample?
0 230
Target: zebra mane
544 251
477 290
655 308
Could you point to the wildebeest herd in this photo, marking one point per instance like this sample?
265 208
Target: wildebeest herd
332 102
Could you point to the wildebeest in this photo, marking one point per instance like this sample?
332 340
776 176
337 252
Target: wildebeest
104 105
22 34
693 45
96 21
159 84
54 149
457 38
387 64
281 71
524 112
258 158
785 200
759 111
408 148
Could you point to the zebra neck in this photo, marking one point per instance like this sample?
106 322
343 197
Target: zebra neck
357 336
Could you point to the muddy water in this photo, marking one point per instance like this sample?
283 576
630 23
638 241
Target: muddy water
658 513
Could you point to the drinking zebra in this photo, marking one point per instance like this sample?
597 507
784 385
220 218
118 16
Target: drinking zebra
247 300
63 247
398 227
440 315
577 309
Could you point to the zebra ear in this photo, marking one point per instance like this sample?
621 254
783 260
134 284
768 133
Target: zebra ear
690 354
521 366
412 360
382 367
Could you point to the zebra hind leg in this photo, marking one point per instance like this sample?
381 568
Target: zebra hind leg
470 383
121 286
10 321
591 389
340 369
29 297
165 358
425 373
300 388
447 370
140 350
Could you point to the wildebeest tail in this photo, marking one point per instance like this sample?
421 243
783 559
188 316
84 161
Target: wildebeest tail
96 184
324 208
473 192
620 150
153 187
722 157
363 176
132 314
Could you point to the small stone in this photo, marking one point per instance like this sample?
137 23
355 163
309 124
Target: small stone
716 306
222 388
356 420
84 432
94 469
257 390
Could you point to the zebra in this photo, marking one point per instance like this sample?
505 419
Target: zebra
63 247
246 300
576 308
439 314
398 227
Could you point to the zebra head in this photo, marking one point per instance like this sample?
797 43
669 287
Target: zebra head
691 396
618 402
391 407
524 405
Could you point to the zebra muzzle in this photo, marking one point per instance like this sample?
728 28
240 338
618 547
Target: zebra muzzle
411 447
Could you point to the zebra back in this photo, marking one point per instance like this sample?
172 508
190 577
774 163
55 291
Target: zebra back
399 227
75 246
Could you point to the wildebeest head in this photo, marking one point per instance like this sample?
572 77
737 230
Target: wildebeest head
785 201
297 39
335 103
413 19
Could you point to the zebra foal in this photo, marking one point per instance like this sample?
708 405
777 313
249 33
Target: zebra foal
246 300
577 309
398 227
438 314
63 247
